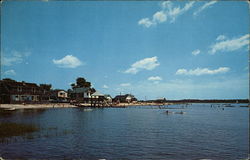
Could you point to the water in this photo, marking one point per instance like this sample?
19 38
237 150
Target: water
203 132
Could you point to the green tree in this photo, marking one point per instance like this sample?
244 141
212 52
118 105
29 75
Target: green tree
46 87
92 90
87 84
9 80
80 82
73 85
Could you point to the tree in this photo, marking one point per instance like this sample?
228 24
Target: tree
9 80
87 84
73 85
80 82
92 90
46 87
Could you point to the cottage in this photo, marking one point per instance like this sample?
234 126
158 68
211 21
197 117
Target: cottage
80 94
127 98
59 95
97 99
108 98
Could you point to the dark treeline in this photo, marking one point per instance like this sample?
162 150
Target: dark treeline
205 101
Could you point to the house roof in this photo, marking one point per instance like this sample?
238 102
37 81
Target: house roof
97 94
20 84
107 95
124 96
80 90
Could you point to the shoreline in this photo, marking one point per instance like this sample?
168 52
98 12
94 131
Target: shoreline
36 106
68 105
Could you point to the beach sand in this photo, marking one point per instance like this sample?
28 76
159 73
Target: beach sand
67 105
36 106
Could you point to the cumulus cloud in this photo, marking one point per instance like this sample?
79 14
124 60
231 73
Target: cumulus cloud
144 64
159 17
167 12
202 71
196 52
105 86
154 78
125 84
10 72
68 61
229 45
15 57
203 7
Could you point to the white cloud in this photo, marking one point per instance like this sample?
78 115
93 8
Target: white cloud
105 86
167 12
174 12
10 72
221 37
206 5
68 61
230 44
159 17
154 78
15 57
146 22
202 71
147 64
196 52
125 84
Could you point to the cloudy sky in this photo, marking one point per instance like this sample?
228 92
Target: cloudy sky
152 49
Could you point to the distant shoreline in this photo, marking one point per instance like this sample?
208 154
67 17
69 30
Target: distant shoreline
119 105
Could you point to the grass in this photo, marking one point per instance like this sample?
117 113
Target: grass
10 129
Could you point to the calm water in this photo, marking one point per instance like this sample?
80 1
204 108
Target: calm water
203 132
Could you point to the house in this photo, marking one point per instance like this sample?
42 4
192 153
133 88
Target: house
160 100
97 99
59 95
108 98
80 94
19 92
97 96
127 98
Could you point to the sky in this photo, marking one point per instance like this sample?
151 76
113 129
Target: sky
151 49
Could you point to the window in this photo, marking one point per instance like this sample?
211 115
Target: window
19 89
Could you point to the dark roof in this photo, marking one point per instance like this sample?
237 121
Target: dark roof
18 84
124 96
80 90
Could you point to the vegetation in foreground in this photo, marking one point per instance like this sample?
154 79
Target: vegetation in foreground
10 129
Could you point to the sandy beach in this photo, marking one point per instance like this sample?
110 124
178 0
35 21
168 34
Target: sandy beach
68 105
36 106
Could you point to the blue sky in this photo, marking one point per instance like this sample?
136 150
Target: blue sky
152 49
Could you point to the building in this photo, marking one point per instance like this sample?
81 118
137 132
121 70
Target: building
127 98
108 98
59 95
20 92
80 94
97 99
